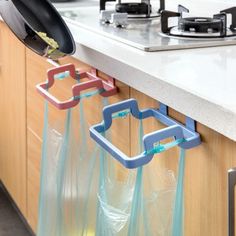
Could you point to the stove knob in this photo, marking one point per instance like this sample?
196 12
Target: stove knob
119 19
105 16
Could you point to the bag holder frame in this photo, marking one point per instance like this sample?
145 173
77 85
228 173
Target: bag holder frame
174 129
107 86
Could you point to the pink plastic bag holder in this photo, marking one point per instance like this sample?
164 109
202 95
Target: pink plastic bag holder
93 82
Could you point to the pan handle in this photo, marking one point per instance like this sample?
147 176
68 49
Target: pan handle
231 201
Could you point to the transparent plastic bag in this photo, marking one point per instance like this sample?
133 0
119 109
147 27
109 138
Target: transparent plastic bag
146 201
69 176
82 194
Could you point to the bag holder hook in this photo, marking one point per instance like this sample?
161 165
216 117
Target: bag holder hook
187 135
107 87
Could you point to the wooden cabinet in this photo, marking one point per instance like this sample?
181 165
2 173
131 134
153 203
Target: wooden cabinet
21 125
13 117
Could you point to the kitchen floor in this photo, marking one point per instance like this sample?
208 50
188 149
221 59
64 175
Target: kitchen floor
10 222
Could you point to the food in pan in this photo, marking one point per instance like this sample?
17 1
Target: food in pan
53 44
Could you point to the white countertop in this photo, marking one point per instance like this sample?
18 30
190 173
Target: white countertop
200 83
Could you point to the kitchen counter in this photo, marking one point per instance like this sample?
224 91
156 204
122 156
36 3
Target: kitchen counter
199 83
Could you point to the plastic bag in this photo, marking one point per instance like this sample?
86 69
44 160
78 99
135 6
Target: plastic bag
82 194
69 176
146 201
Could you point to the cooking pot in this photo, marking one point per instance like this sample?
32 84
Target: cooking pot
26 18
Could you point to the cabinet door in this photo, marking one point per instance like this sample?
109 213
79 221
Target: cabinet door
205 174
36 72
13 117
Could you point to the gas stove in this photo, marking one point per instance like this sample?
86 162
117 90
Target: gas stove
151 27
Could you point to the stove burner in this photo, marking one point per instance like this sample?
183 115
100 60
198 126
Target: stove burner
134 8
141 8
199 27
200 24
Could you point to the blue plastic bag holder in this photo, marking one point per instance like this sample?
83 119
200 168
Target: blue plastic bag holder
187 133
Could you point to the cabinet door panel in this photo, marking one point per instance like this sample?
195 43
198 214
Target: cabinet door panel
13 117
33 180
